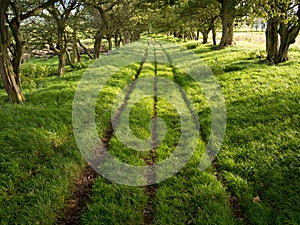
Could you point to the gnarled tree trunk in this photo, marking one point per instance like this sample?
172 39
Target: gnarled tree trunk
10 76
288 34
227 11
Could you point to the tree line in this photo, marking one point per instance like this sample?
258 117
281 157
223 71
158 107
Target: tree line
63 24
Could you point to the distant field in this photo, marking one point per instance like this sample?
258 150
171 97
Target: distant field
251 39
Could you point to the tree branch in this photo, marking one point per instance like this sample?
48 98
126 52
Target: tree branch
37 10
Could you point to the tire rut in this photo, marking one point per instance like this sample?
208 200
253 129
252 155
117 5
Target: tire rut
233 200
150 176
77 203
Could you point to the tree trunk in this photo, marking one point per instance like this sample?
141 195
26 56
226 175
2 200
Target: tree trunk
227 12
116 41
214 36
18 48
10 79
110 44
69 58
197 35
288 34
85 49
120 40
205 37
76 54
62 64
97 44
272 40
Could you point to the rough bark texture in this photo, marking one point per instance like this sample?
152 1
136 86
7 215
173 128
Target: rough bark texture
227 12
10 78
288 34
61 64
61 51
272 40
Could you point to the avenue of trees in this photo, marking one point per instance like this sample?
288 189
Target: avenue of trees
63 24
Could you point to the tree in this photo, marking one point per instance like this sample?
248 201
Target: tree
283 20
12 14
204 15
228 15
230 11
60 15
99 9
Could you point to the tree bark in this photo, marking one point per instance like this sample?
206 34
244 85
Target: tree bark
11 80
116 41
197 35
214 36
110 44
97 44
272 40
288 34
76 54
85 49
227 12
205 38
62 64
69 58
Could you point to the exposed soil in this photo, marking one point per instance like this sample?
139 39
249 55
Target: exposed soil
151 190
80 197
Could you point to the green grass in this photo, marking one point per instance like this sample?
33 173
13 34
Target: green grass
260 156
39 160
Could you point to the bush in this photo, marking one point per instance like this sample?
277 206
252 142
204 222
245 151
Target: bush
82 65
31 70
192 46
257 54
217 66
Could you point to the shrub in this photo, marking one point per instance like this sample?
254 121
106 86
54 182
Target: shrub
217 66
192 46
31 70
257 54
